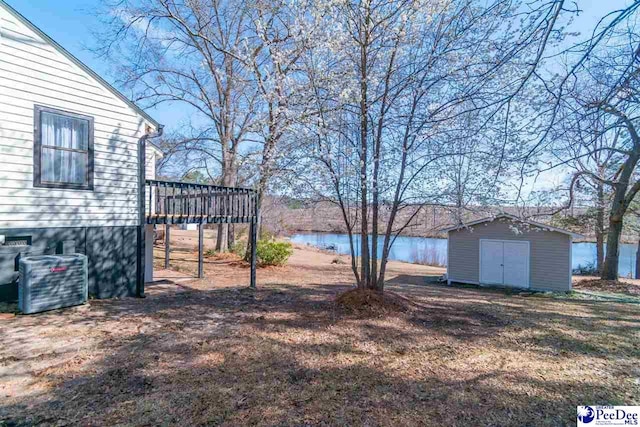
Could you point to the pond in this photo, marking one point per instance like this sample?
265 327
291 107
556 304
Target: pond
432 251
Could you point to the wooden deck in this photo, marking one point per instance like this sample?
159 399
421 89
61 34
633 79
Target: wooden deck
187 203
167 202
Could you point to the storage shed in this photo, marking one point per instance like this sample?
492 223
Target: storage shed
508 251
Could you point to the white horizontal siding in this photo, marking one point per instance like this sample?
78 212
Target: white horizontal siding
41 202
22 102
22 210
102 177
19 194
33 72
101 171
24 182
150 160
21 153
21 111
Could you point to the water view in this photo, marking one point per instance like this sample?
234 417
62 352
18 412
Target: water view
434 251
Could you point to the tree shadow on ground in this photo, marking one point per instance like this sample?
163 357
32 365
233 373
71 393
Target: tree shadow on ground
284 355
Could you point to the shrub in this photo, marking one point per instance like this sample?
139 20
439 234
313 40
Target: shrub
209 252
239 248
271 252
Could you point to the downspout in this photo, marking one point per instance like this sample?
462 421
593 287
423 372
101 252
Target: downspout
142 220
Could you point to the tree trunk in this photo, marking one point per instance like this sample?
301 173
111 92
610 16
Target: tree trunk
600 229
228 180
621 201
365 266
637 274
610 269
231 236
222 239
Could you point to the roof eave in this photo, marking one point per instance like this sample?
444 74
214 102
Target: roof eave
513 217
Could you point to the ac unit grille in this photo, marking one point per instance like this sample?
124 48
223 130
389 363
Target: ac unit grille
23 242
48 282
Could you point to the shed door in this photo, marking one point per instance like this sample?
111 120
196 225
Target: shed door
516 264
491 254
504 262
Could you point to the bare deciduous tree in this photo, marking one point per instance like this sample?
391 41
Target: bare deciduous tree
188 53
389 82
598 119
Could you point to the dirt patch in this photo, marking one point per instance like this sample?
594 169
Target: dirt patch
365 302
611 286
307 265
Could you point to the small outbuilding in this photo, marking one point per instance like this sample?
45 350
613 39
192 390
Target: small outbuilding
508 251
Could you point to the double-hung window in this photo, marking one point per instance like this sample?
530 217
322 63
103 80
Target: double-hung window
63 149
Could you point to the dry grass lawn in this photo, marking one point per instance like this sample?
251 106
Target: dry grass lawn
212 352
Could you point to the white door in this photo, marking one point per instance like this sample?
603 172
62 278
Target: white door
491 254
516 264
504 262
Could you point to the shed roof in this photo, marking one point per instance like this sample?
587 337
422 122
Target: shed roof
513 218
79 63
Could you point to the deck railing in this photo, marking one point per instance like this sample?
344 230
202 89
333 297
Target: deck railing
170 202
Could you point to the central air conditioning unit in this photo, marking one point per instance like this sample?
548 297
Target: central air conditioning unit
52 281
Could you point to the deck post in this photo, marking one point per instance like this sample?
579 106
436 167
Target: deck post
254 243
200 250
167 244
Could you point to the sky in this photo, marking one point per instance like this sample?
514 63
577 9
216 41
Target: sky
69 22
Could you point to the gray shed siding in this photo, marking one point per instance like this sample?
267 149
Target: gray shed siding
550 263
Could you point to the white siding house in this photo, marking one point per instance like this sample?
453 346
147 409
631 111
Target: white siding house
69 155
152 157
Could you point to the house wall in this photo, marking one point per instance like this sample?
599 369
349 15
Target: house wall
151 160
32 71
101 223
111 253
550 253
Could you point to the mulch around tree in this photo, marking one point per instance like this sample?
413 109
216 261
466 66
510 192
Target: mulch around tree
612 286
366 302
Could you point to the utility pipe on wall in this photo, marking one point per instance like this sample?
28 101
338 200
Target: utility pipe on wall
142 168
